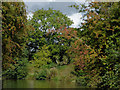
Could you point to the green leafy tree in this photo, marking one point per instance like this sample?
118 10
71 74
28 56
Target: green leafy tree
17 70
13 31
47 24
84 57
59 54
49 19
14 34
41 57
101 32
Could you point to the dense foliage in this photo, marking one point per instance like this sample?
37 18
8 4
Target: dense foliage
36 47
102 33
42 57
47 25
13 36
18 70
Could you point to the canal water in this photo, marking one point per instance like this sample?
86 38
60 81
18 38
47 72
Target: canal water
38 84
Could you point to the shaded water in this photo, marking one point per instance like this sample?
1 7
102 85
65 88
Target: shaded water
38 84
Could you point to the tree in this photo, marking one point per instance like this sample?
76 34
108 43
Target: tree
101 33
83 55
47 24
14 34
41 57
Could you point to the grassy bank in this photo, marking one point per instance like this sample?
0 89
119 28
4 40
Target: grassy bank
59 73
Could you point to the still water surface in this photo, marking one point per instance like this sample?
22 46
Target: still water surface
38 84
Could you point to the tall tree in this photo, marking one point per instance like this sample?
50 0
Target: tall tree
13 31
101 31
47 24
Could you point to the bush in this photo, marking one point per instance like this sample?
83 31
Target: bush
41 75
111 79
16 71
41 57
78 72
59 54
48 66
52 73
81 81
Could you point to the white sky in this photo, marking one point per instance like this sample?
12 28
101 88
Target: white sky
74 17
70 12
54 0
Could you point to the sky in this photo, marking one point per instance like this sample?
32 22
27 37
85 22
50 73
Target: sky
72 13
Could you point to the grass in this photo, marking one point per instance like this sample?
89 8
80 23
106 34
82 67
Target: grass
58 73
30 70
64 73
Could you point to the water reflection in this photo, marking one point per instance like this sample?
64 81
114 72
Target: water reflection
38 84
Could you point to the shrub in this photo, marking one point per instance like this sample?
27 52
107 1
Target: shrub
41 57
111 79
16 71
81 81
41 75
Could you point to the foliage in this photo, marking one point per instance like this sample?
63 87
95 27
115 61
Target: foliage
59 54
45 22
48 19
112 78
94 47
18 70
45 73
13 31
41 57
41 74
81 81
101 32
52 73
84 56
48 66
